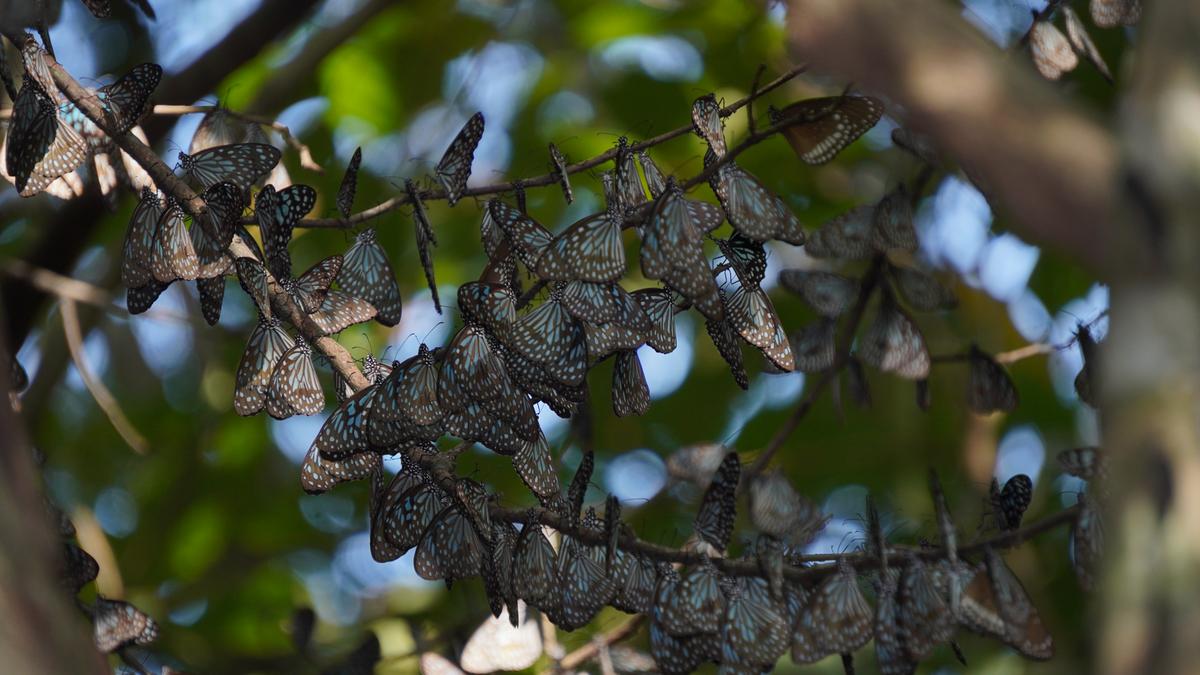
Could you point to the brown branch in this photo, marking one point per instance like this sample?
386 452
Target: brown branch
104 398
1051 167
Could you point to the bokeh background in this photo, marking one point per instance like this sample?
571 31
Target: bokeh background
209 531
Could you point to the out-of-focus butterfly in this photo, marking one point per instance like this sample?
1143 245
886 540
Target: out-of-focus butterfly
754 632
847 236
923 614
921 290
837 619
1009 503
455 166
1052 53
892 223
559 166
99 8
672 250
893 344
819 128
367 274
499 645
718 509
750 312
1087 543
778 510
697 605
630 395
1113 13
76 568
706 121
242 164
1088 463
829 294
117 623
989 388
277 213
346 191
266 346
1082 42
751 208
294 387
40 145
890 652
589 250
994 602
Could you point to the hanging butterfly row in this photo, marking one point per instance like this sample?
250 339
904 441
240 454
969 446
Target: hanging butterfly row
49 137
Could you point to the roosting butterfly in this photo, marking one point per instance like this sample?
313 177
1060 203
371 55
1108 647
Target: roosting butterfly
455 166
346 191
819 128
40 146
367 274
242 164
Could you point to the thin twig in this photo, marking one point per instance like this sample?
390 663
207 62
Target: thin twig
104 398
589 651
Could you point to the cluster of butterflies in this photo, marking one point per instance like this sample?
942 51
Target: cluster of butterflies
1055 54
49 137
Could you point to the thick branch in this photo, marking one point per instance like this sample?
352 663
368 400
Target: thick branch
1054 169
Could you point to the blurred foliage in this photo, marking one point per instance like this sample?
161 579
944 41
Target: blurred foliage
220 521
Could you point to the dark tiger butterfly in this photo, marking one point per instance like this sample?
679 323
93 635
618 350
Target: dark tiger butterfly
589 250
140 298
535 568
346 191
312 288
698 603
1009 503
340 311
836 620
173 256
40 146
559 166
754 631
672 250
706 122
492 306
528 238
277 213
535 466
319 474
747 257
630 395
454 168
242 164
659 307
751 208
628 185
718 509
819 128
266 346
127 100
586 588
117 623
829 294
725 339
923 614
451 547
425 239
751 314
655 179
139 240
367 274
294 387
989 388
253 278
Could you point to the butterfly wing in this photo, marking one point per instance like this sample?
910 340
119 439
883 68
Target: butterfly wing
589 250
367 274
349 186
454 168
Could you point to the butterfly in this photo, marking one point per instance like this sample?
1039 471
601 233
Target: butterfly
1088 463
893 344
725 339
837 619
697 605
535 467
533 379
1051 51
139 239
819 128
76 568
890 651
242 164
892 223
813 346
1082 42
1009 503
751 208
778 510
425 238
312 288
99 8
277 212
367 274
528 239
847 236
754 631
829 294
630 395
550 336
212 298
707 123
140 298
995 603
637 576
213 230
655 179
174 255
659 307
923 615
253 278
589 250
339 311
40 146
628 185
410 392
294 387
989 388
535 568
117 623
319 474
405 511
492 306
450 549
718 509
747 257
750 312
455 166
559 167
676 655
266 346
672 250
1113 13
345 195
586 588
127 100
921 290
